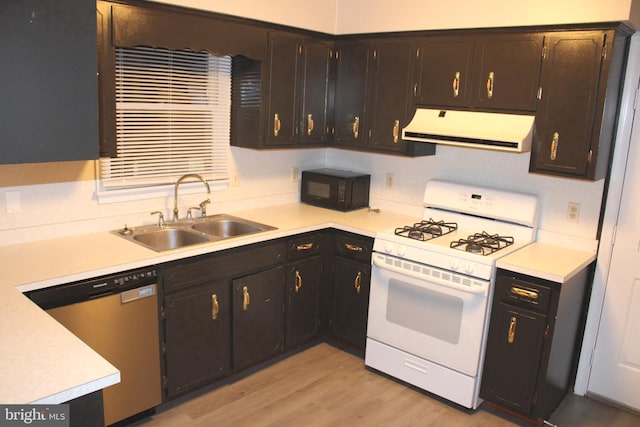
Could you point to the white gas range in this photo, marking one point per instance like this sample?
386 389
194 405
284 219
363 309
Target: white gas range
432 282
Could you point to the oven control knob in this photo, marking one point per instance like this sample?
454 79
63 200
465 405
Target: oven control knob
468 268
402 250
455 265
388 248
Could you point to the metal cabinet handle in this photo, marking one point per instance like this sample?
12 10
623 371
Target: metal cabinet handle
512 330
310 124
304 247
353 248
524 293
357 282
298 284
276 124
396 131
355 127
490 84
246 299
456 84
215 308
554 145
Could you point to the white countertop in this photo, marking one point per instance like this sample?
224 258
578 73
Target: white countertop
547 261
42 362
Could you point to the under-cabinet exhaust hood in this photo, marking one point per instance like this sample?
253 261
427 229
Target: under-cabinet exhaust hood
494 131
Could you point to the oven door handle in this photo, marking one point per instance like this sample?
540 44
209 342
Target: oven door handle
469 289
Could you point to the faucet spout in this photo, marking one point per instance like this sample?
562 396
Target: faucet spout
178 182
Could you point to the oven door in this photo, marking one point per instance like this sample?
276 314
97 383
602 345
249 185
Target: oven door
430 313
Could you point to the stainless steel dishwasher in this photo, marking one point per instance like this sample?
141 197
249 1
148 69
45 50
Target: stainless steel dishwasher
117 316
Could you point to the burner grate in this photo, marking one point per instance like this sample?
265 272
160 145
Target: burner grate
426 229
482 243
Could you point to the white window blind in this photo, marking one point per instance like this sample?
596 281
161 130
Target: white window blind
173 113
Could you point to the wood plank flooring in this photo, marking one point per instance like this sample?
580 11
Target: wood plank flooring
325 386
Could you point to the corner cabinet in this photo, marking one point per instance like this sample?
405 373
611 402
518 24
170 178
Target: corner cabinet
49 90
581 82
480 71
373 96
533 342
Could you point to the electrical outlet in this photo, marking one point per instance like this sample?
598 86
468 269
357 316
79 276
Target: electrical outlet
235 178
295 173
573 212
389 181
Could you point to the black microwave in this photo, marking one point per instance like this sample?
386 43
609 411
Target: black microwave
335 189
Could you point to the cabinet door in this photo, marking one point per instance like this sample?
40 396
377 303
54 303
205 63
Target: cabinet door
314 111
565 120
282 90
507 72
445 71
352 74
390 98
303 287
258 317
49 90
351 301
198 349
514 349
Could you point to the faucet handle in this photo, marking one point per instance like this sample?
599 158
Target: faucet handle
160 217
203 206
189 214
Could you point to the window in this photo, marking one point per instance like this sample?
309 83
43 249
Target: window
173 112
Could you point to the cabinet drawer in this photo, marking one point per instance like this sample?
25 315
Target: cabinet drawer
304 246
518 291
227 264
355 247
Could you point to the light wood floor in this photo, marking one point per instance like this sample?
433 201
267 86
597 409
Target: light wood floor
325 386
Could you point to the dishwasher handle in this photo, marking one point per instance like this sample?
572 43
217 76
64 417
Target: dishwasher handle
137 294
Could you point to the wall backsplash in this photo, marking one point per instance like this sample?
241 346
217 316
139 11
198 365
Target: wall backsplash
264 178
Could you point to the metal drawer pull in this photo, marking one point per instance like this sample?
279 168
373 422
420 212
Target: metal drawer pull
490 85
310 124
246 299
298 281
554 145
456 84
524 293
358 281
512 330
355 127
353 248
276 124
304 247
215 308
396 131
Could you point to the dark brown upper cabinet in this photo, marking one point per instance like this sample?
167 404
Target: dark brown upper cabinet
297 92
581 82
479 71
49 90
374 96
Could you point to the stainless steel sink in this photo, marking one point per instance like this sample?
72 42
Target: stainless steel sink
227 226
165 238
184 233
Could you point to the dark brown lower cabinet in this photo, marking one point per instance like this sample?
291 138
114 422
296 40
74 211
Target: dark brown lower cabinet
258 317
352 280
533 343
198 347
303 292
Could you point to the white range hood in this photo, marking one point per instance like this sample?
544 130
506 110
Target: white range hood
493 131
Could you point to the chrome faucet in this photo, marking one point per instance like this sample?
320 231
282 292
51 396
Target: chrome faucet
175 195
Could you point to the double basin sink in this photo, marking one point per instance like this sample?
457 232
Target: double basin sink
183 233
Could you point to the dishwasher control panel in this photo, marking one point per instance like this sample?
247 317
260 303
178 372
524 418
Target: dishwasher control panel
85 290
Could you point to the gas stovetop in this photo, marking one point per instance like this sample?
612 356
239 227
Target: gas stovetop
463 227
